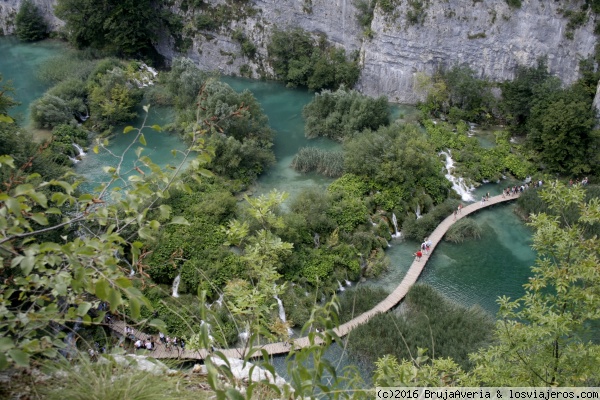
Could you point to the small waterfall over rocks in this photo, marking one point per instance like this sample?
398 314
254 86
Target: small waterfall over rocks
282 313
396 234
340 287
176 285
79 150
458 184
418 211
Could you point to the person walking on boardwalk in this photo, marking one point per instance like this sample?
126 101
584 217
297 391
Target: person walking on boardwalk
418 255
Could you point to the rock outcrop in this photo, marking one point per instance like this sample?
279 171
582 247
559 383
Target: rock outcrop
488 35
10 8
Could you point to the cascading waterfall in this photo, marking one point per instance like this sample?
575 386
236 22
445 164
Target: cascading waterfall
79 150
418 211
396 234
282 313
176 285
458 184
340 287
73 160
348 283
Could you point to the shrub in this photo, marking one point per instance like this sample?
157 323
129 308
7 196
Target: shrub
339 115
29 22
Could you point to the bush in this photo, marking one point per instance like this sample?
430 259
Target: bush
50 111
30 24
341 114
298 59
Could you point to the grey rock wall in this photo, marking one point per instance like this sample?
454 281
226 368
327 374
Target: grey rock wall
487 35
9 9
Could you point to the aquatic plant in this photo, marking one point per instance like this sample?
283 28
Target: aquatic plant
313 159
462 230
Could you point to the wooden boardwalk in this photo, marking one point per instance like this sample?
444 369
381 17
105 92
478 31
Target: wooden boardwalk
388 303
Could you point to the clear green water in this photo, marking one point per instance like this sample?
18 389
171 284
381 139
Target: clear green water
158 147
19 62
284 106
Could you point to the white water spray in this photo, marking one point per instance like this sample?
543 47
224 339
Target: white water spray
458 184
79 150
282 313
340 287
396 234
176 285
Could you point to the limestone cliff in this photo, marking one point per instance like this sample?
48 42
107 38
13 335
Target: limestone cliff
487 35
9 9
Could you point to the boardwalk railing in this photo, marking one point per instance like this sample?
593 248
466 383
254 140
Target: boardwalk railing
388 303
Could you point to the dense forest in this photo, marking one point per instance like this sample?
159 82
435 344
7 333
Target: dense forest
67 253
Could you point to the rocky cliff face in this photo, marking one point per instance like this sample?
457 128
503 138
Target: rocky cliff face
487 35
10 8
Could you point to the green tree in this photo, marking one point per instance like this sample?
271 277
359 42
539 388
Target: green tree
30 23
50 282
561 131
341 114
122 27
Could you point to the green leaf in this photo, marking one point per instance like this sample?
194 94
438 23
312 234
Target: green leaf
206 173
157 128
83 308
123 282
128 129
158 324
19 357
40 219
95 149
102 289
6 344
114 299
143 139
134 306
179 220
7 160
6 118
3 362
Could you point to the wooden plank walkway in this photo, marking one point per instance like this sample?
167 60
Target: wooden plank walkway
388 303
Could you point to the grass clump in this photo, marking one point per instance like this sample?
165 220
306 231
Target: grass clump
462 230
357 301
313 159
428 321
108 379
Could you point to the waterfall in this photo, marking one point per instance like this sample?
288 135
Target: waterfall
244 336
282 313
458 184
395 222
176 285
348 283
79 149
340 287
73 160
220 300
418 211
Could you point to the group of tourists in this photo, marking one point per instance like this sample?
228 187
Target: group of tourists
171 342
425 247
147 344
583 182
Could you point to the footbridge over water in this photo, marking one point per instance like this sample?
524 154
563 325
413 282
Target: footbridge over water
388 303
